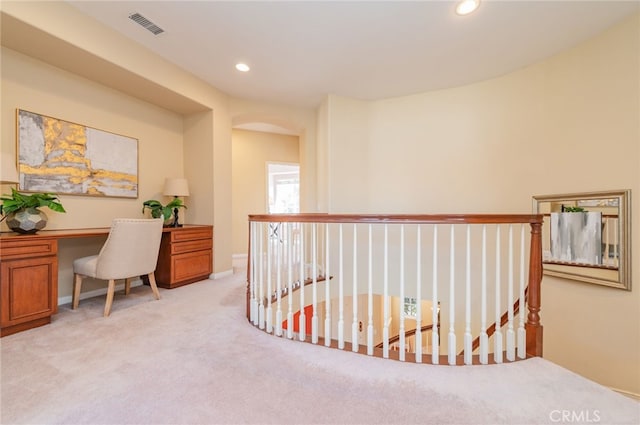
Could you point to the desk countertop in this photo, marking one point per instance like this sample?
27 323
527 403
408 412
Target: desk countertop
58 234
77 233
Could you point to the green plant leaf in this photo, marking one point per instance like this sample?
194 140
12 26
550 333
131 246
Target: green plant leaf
158 210
176 203
573 209
18 201
166 212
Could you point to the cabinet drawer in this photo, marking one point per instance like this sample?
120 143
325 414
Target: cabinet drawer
190 234
27 248
190 246
190 266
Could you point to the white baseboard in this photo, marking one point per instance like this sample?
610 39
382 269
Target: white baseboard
239 261
220 275
629 394
96 292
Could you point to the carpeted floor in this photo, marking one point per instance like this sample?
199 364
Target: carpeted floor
192 358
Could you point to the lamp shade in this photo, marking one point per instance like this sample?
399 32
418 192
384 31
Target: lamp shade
176 187
8 172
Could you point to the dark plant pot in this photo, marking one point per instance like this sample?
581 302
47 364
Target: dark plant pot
27 221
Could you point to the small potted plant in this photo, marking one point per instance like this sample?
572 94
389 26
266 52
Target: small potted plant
158 210
22 211
572 209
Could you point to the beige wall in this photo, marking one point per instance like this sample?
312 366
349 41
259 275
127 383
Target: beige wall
31 85
569 124
251 152
299 121
57 34
347 174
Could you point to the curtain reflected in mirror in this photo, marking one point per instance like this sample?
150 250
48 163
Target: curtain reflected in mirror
585 237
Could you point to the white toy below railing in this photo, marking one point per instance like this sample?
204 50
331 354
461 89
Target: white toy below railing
360 281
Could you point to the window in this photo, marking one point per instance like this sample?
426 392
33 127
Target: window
410 307
283 181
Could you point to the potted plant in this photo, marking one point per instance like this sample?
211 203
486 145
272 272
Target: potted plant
22 211
572 209
158 210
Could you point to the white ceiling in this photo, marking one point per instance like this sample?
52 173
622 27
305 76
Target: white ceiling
300 51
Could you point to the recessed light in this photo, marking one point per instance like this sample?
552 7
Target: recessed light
467 6
242 67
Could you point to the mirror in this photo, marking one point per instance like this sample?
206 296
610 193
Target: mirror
586 237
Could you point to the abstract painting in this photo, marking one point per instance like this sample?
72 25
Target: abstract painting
66 158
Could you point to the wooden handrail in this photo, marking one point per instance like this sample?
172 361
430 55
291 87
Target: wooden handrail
410 332
307 281
400 218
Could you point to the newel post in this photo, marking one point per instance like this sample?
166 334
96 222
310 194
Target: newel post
533 326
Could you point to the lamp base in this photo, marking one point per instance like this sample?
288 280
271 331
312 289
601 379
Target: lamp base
175 219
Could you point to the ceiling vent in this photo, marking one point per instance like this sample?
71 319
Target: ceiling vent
142 21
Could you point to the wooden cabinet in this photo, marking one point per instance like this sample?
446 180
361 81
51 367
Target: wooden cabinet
28 283
186 255
29 269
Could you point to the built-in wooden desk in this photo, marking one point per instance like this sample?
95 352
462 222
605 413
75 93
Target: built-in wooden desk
29 269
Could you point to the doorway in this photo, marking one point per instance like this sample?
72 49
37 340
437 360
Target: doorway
283 188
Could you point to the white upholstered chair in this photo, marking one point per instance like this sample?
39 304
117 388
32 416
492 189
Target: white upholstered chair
130 251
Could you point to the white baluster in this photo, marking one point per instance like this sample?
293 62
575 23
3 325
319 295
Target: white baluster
314 267
302 319
340 290
497 336
261 317
370 297
402 334
290 280
511 335
522 335
279 281
484 338
387 299
435 308
269 277
468 351
327 292
354 324
418 334
452 304
254 259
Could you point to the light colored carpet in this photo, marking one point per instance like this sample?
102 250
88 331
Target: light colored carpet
192 358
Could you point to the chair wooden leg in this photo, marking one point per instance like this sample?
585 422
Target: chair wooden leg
110 291
154 287
77 284
127 285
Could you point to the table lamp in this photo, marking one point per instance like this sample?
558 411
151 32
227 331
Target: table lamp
176 187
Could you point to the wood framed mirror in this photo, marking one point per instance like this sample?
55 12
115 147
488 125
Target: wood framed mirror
587 236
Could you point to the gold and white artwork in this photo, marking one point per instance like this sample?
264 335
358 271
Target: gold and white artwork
67 158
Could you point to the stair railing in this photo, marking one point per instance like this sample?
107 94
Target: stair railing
353 273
